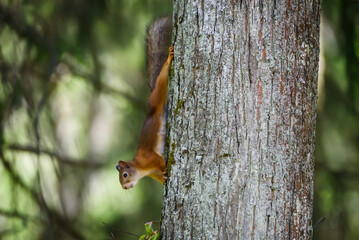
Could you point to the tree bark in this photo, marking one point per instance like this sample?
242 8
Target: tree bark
241 123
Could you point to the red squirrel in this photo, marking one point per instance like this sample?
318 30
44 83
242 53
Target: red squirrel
148 160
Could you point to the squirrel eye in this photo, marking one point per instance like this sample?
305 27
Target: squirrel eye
125 175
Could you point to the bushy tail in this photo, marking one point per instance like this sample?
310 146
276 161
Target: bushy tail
158 42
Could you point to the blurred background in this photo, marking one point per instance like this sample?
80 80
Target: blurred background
73 96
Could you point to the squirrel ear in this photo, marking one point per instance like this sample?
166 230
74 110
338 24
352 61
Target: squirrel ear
118 167
121 164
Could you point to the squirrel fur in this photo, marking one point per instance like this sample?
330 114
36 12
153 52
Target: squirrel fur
148 160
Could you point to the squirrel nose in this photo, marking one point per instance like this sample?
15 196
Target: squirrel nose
118 167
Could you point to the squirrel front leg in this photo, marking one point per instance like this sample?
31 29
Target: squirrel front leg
158 95
158 175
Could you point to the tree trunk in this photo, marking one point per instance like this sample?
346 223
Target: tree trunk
241 124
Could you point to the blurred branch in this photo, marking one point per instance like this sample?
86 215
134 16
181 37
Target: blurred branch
49 87
54 218
119 230
16 177
16 21
107 89
63 159
18 180
322 219
16 214
135 101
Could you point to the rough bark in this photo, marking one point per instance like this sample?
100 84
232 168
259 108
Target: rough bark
241 124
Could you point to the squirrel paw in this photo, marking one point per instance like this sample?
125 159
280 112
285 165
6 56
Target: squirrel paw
163 176
171 52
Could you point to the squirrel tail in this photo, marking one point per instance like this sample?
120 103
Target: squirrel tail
158 42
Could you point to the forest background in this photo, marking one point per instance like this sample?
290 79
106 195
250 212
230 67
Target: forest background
72 102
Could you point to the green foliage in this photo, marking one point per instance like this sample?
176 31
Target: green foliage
150 233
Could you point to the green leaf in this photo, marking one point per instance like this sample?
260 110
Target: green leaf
155 235
148 227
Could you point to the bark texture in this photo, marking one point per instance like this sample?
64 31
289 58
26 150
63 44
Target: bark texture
241 124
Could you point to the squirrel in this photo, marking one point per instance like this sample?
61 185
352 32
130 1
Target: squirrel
148 160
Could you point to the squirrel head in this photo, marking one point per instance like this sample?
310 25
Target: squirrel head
128 174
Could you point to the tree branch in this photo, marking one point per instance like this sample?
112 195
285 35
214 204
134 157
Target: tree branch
61 158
